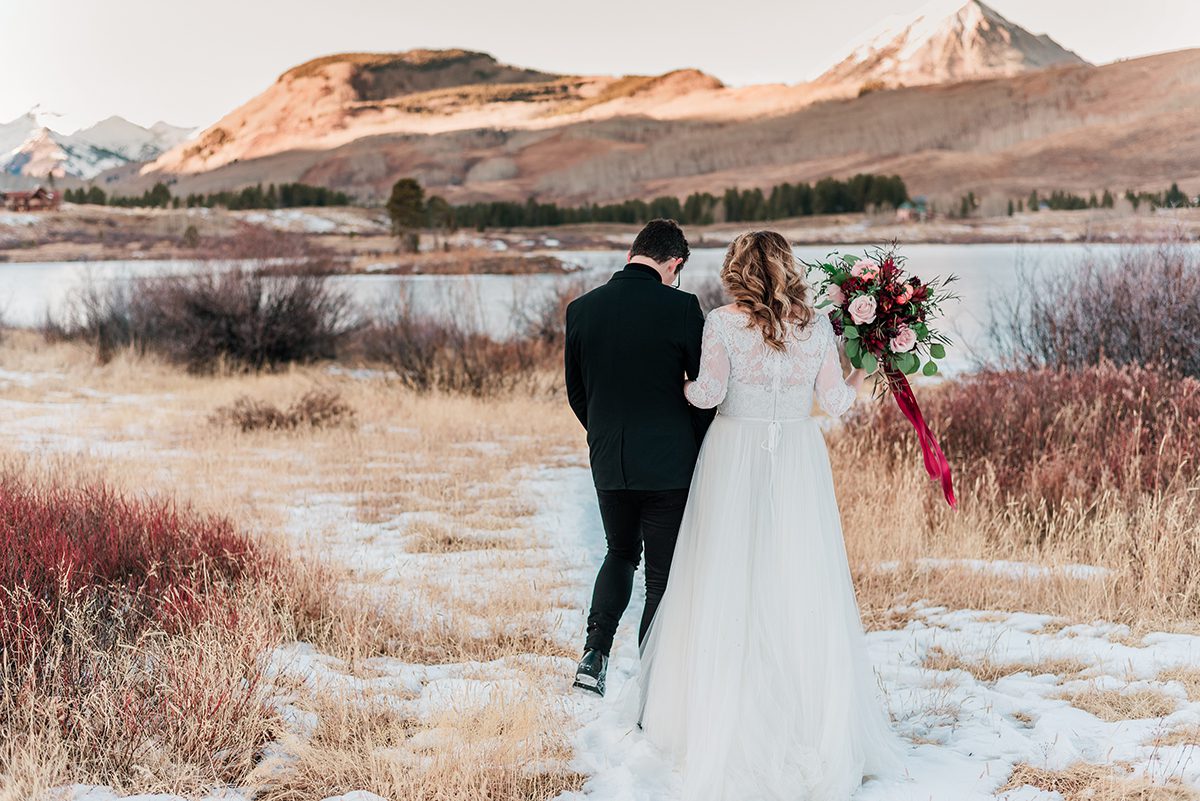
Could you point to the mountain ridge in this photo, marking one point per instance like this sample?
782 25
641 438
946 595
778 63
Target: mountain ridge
1006 111
30 148
948 42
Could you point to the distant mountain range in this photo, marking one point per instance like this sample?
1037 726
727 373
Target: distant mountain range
30 148
958 99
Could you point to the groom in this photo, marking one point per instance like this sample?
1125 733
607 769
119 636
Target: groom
629 345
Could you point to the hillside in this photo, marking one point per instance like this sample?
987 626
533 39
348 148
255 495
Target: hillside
1129 124
961 99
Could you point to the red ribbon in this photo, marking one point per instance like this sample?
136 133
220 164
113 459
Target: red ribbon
935 461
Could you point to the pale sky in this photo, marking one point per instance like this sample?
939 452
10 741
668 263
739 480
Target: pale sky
190 62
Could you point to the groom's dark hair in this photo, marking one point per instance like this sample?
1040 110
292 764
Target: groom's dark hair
661 240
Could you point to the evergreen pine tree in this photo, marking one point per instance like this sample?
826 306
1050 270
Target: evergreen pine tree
406 208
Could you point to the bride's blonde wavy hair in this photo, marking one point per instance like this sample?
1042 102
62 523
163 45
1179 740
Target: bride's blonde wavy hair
760 273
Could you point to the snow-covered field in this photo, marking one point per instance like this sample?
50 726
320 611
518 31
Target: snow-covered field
319 220
975 693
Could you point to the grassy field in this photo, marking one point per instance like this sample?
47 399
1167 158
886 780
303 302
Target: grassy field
404 615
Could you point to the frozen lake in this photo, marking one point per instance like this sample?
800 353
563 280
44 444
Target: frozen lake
31 291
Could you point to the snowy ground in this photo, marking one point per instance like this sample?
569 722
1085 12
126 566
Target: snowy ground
966 729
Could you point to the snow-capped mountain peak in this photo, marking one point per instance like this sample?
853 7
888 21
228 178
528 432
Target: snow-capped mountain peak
30 147
947 41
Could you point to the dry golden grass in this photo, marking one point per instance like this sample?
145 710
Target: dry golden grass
1149 586
1189 677
1083 782
447 466
1024 718
456 460
1115 705
505 749
986 670
168 714
430 537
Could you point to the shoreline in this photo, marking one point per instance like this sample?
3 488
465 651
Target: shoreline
361 238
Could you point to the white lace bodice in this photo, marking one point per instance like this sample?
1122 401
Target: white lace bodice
745 377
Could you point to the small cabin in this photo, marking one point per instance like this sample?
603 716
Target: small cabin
915 210
40 199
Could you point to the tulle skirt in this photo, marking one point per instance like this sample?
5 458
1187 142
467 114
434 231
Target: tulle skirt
754 675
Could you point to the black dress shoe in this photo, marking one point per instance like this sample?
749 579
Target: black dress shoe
590 673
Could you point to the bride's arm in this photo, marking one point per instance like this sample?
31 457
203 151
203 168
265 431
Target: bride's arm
710 385
836 393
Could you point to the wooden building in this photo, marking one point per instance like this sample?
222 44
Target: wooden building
40 199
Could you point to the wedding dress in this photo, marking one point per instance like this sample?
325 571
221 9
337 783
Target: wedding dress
754 674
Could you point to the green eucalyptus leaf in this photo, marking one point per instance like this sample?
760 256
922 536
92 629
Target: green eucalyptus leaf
856 360
852 348
851 259
931 368
869 363
937 350
851 332
912 365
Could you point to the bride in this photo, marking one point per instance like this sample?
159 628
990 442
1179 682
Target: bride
754 674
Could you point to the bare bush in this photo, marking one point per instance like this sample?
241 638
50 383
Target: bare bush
102 315
250 319
452 354
1141 307
244 318
543 318
316 408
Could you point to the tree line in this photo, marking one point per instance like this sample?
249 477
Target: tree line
826 196
287 195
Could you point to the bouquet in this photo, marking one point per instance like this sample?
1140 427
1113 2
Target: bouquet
884 316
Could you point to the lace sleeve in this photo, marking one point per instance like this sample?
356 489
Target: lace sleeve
834 395
710 386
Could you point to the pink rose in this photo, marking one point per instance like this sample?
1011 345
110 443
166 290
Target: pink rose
904 340
905 294
835 294
862 309
865 269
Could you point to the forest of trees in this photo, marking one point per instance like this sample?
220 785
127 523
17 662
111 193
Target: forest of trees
282 196
1172 198
827 196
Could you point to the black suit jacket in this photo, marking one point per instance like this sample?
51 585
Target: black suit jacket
629 345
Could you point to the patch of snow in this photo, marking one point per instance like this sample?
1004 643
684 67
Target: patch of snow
292 218
19 219
24 379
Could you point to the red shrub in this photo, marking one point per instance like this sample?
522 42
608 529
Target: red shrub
1056 435
133 563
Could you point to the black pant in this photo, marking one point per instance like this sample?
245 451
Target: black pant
630 518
